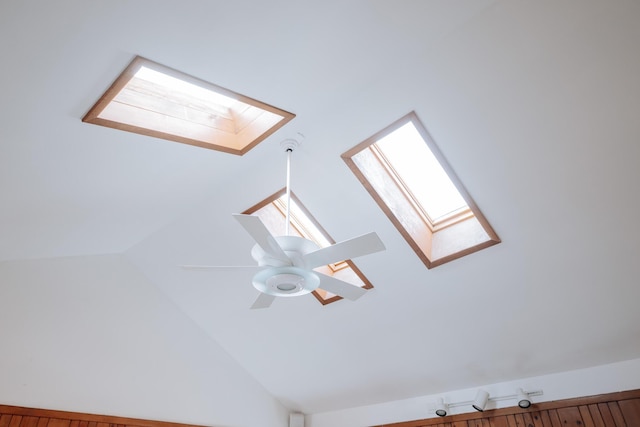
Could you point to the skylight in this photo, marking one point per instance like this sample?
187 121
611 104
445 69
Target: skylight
155 100
408 177
405 154
272 212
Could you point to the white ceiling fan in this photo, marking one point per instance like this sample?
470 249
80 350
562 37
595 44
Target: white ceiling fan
285 263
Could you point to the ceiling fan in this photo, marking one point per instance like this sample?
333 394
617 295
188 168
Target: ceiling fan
286 263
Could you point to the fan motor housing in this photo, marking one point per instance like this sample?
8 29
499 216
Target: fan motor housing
286 280
293 246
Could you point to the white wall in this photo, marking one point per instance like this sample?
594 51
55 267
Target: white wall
91 334
584 382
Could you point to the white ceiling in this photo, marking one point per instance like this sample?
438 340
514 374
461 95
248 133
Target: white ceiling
534 104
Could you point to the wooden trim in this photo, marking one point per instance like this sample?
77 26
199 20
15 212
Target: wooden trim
556 410
84 417
464 252
167 136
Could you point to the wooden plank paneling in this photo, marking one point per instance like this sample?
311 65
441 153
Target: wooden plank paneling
570 416
58 422
546 420
5 419
537 419
15 421
528 420
630 411
511 421
498 421
607 418
586 416
596 416
617 414
555 418
17 416
45 415
519 420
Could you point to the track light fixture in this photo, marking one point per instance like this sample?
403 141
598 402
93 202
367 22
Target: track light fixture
482 398
523 398
441 408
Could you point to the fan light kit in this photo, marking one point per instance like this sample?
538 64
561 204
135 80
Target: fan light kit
285 281
482 398
285 263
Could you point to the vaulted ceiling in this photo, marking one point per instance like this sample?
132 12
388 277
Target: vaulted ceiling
535 105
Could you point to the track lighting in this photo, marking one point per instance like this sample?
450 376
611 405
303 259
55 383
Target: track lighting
482 397
523 398
441 408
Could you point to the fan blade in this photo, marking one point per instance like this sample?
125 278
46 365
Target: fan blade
220 267
339 287
256 228
348 249
263 301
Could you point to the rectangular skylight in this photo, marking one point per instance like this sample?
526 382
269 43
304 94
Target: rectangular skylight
409 178
151 99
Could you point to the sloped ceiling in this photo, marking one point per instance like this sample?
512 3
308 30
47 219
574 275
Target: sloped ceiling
534 104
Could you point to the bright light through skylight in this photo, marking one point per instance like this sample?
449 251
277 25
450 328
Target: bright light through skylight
422 174
185 89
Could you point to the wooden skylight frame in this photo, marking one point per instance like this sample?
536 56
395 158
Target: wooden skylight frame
345 270
455 235
189 110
